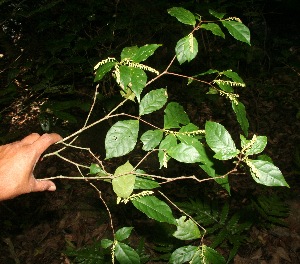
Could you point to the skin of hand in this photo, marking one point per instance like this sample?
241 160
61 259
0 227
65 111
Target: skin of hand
17 162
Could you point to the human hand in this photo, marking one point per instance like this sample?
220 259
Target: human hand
17 162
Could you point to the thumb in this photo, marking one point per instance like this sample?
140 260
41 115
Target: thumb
40 186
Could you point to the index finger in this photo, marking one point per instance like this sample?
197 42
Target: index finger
44 141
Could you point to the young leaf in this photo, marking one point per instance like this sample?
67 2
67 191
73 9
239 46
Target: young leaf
123 233
241 116
212 256
238 30
125 254
152 101
220 141
121 138
174 116
183 254
103 69
96 169
186 230
123 185
106 243
155 209
184 16
145 183
138 81
129 52
184 153
214 28
216 14
168 142
186 49
144 52
266 173
151 139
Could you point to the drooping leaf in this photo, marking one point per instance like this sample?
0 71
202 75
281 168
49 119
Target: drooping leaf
186 49
151 139
103 69
216 14
155 209
184 153
123 185
241 116
184 16
138 81
152 101
220 141
123 233
186 229
238 30
125 76
174 116
266 173
226 87
212 256
106 243
214 28
183 254
145 52
121 138
168 142
126 254
233 76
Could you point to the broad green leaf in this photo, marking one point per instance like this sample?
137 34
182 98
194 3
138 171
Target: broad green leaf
265 158
266 173
184 16
233 76
145 52
138 81
125 76
152 101
186 49
103 69
183 254
106 243
155 209
129 52
216 14
212 256
123 233
151 139
121 138
258 146
238 30
220 141
125 254
186 229
123 185
226 87
214 28
168 142
145 183
184 153
174 116
241 116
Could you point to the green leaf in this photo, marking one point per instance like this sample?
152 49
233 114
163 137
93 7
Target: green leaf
184 16
241 116
168 142
123 233
174 116
125 76
144 52
265 158
186 49
123 185
103 69
151 139
106 243
121 138
125 254
212 256
214 28
216 14
155 209
129 52
183 254
186 230
138 81
233 76
258 146
226 87
220 141
266 173
96 169
184 153
238 30
152 101
145 183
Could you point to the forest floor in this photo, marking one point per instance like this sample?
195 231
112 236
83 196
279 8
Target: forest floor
39 227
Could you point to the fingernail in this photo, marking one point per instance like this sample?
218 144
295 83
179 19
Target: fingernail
52 188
